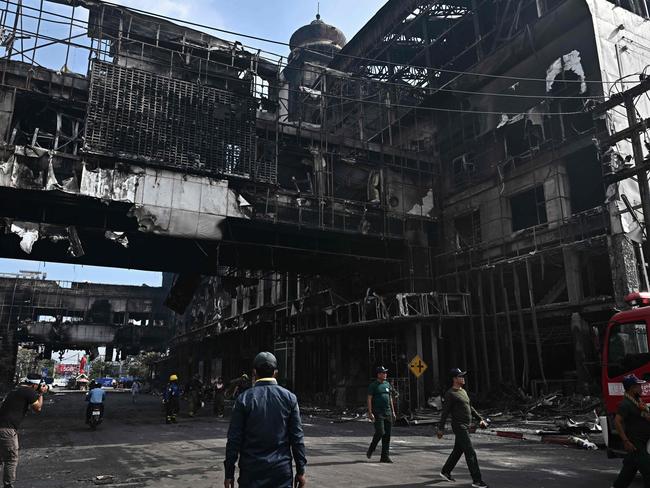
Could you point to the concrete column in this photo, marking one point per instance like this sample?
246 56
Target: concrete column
435 366
420 381
583 351
556 194
624 267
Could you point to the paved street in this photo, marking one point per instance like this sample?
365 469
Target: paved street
137 449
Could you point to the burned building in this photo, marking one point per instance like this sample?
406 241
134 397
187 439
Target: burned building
54 316
437 186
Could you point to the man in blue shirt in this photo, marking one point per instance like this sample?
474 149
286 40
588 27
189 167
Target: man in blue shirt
95 396
171 397
265 433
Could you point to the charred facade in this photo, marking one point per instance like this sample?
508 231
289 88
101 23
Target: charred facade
434 186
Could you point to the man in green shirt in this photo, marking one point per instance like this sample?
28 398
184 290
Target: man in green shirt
382 412
633 426
458 406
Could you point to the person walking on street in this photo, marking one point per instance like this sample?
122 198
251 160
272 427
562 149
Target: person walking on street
12 412
633 425
194 392
265 433
135 390
381 411
457 405
171 397
219 397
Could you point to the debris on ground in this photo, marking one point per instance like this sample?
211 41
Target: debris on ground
103 479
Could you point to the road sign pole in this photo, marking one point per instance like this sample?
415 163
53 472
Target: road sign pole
418 346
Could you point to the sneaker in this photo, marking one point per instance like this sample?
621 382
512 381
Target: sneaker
386 460
479 484
446 476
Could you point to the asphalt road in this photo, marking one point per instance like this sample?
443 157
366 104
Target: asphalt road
136 449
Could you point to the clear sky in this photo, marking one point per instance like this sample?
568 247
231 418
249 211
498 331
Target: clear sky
270 19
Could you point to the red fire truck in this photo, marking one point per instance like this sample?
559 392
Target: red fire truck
625 351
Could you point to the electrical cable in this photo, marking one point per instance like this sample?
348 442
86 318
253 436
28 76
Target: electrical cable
404 85
361 58
343 98
411 107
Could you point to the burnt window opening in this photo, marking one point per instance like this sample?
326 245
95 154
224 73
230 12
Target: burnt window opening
528 208
585 180
233 152
639 7
463 169
468 229
574 117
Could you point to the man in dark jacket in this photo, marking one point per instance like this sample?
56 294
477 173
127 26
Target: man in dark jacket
458 406
265 433
12 412
633 425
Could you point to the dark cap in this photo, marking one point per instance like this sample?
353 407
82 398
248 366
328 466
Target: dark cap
33 379
381 369
631 380
265 360
456 372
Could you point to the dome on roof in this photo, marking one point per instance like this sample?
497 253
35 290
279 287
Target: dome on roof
317 33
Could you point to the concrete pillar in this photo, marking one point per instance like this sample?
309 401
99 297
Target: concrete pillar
420 380
556 194
624 267
435 366
583 351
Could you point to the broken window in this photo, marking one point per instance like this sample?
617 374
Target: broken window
233 151
585 180
528 208
468 229
639 7
463 169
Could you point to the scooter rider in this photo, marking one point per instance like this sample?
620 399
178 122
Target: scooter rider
95 397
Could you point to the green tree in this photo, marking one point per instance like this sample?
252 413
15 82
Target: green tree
26 361
29 361
100 368
142 365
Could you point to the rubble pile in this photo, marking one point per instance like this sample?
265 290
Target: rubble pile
555 418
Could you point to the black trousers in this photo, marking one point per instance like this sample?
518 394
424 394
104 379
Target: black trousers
638 460
218 404
272 478
172 407
383 429
463 445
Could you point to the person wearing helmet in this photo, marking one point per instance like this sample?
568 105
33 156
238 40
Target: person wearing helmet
171 397
633 426
265 433
29 395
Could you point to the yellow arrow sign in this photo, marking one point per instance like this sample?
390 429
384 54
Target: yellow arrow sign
417 366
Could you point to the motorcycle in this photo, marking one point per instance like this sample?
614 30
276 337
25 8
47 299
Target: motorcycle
95 417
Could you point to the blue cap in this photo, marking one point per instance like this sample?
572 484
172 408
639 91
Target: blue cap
381 369
455 372
631 380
